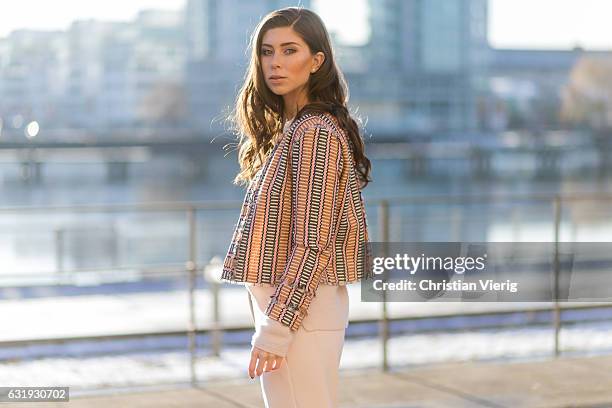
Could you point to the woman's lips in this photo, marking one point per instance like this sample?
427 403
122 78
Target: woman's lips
276 80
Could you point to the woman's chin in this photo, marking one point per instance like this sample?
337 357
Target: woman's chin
277 89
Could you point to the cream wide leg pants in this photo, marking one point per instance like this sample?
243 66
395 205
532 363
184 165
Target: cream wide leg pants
308 377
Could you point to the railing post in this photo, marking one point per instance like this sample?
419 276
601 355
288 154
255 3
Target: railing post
59 251
556 308
456 219
516 225
212 273
216 332
383 222
115 249
191 269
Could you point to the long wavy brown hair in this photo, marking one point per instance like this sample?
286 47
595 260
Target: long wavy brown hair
259 114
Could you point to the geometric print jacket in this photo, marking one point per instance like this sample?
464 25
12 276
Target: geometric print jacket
302 221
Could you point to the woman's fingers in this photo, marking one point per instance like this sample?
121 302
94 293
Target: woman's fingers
278 361
270 362
275 362
253 362
262 361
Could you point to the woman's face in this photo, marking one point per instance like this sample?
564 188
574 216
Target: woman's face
285 55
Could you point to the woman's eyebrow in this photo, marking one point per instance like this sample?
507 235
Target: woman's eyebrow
283 44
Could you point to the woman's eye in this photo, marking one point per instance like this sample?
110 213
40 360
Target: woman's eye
267 52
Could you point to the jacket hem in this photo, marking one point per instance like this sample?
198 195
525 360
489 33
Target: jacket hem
228 277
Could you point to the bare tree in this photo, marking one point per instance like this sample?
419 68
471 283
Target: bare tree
587 98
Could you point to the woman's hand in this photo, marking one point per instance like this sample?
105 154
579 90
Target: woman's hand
263 361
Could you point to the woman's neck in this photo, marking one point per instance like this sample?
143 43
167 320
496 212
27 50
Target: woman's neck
289 116
293 104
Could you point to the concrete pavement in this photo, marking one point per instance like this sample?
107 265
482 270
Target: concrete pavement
563 382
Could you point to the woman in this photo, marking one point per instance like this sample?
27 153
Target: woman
302 233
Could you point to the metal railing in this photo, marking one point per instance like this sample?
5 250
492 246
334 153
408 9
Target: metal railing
216 329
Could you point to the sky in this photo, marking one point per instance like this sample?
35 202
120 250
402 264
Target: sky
512 23
550 23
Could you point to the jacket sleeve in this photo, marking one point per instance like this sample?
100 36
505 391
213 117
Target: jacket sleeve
316 166
273 337
270 335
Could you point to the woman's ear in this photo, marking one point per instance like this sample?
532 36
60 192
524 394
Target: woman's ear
319 58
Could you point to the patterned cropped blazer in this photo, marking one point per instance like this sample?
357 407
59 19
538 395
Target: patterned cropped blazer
302 221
